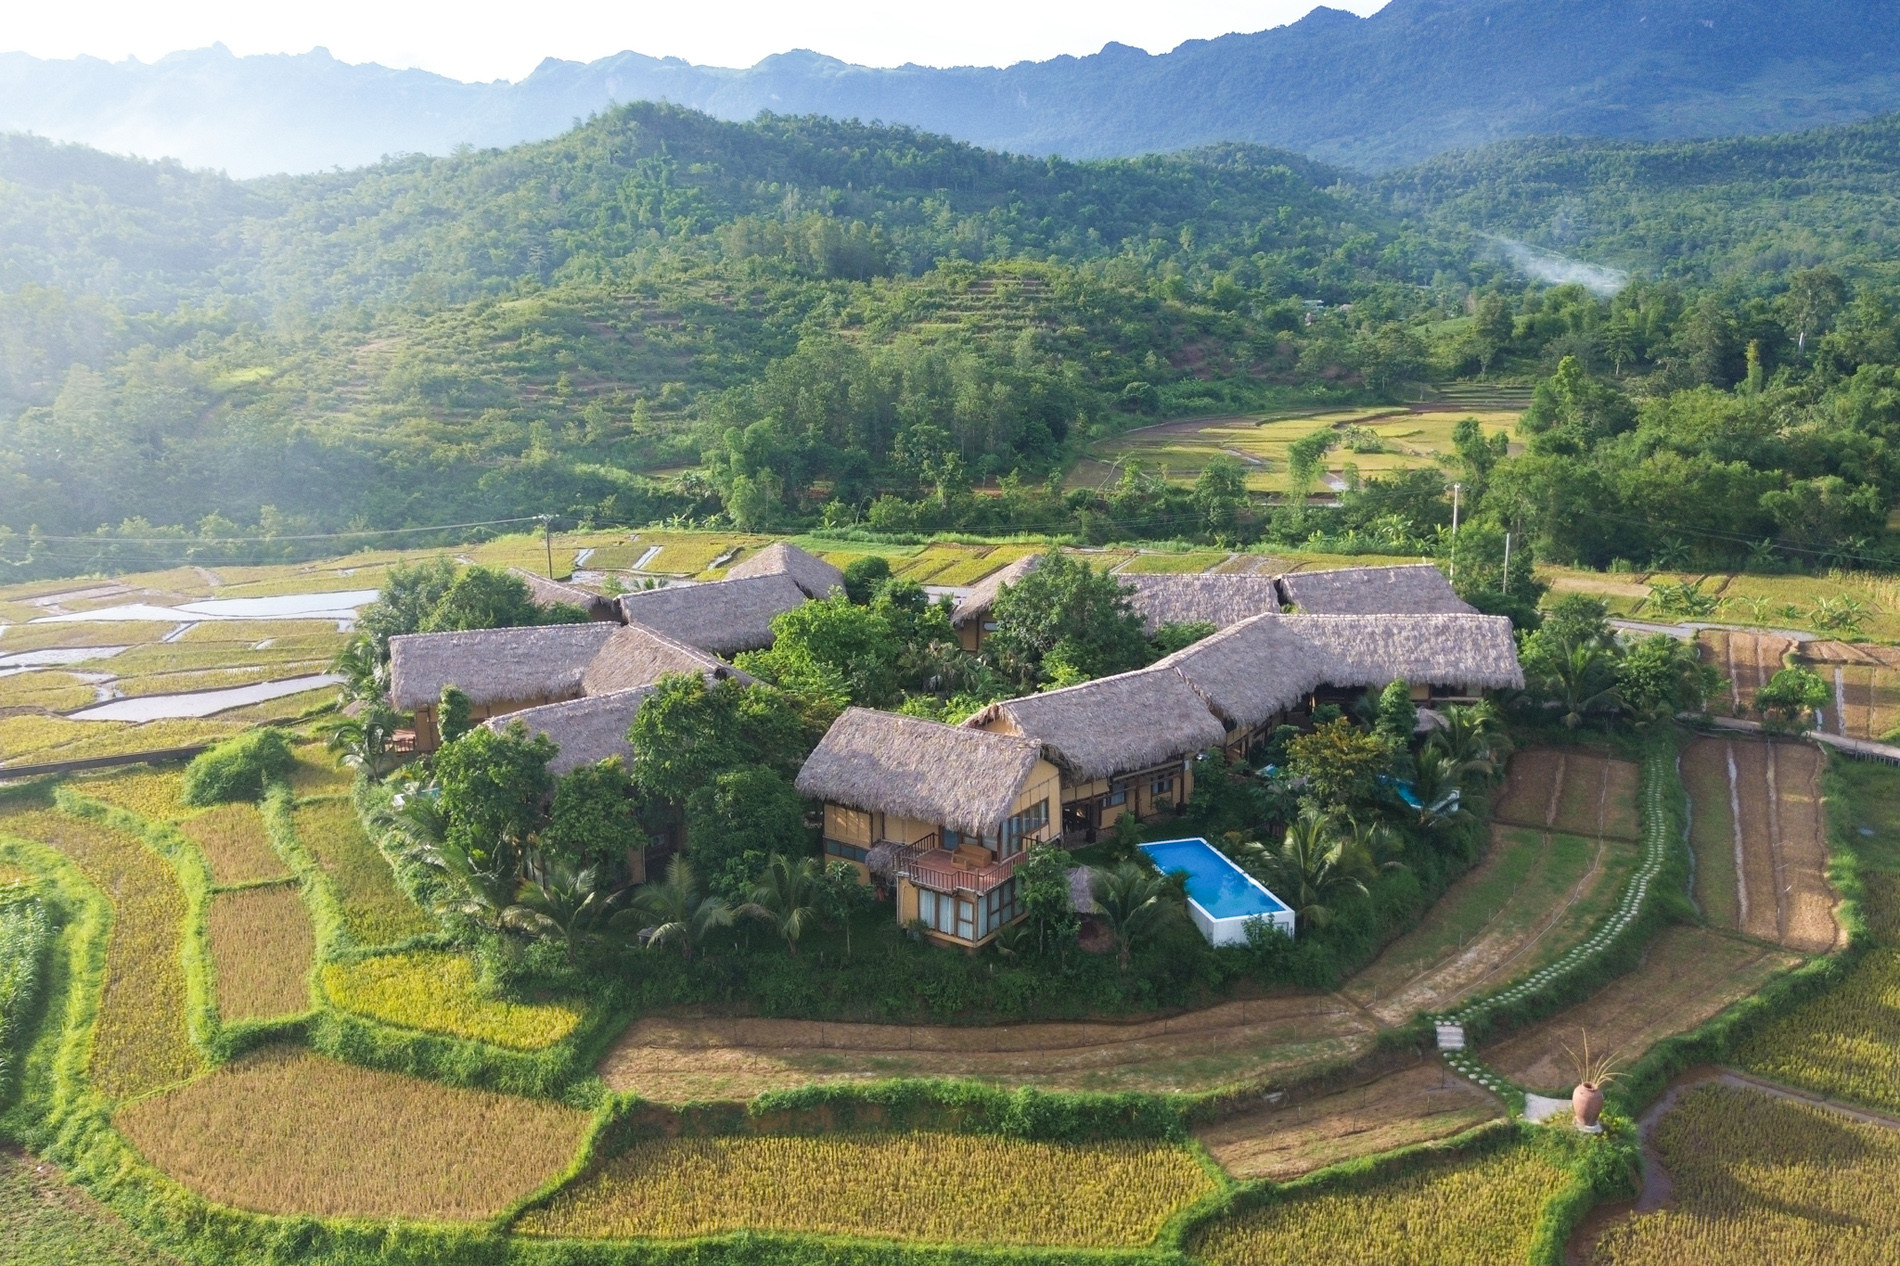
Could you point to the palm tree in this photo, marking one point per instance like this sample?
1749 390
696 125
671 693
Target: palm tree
787 896
1473 739
363 740
674 910
366 673
560 903
1584 683
1438 779
1132 899
481 884
1312 867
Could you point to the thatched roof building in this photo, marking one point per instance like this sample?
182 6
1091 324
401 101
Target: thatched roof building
982 596
965 779
1111 725
585 730
781 558
1264 666
1208 598
1412 589
493 665
548 593
721 616
638 656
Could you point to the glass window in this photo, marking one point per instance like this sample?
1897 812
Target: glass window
927 910
849 851
1164 786
1001 906
966 919
1026 825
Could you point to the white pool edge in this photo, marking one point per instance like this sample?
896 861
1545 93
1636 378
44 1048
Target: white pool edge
1233 929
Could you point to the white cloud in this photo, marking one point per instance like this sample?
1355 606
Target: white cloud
483 39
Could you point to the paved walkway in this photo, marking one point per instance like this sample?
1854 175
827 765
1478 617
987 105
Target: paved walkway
1840 742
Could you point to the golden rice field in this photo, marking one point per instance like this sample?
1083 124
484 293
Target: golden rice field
39 637
438 993
1845 1043
375 910
1477 1212
930 1187
262 946
151 792
284 708
48 690
275 632
218 678
317 773
1193 561
289 1132
31 740
139 1041
235 844
1758 1179
980 562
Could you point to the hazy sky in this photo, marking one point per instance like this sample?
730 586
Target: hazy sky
483 39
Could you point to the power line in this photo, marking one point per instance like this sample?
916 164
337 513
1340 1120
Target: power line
200 542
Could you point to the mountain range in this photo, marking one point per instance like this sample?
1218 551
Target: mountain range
1417 78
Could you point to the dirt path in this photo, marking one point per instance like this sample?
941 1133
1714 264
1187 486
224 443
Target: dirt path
1399 1109
673 1060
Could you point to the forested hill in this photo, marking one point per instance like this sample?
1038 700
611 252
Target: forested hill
1738 209
433 339
1416 78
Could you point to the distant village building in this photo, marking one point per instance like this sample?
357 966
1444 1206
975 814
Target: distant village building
721 616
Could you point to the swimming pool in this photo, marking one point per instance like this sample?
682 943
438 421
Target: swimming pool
1222 898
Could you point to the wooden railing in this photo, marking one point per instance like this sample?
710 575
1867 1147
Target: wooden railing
928 866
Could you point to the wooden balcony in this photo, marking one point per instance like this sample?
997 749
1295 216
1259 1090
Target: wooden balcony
969 870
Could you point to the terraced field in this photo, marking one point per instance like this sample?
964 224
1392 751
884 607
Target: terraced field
1687 975
1399 1109
1748 660
1866 682
676 1060
1759 840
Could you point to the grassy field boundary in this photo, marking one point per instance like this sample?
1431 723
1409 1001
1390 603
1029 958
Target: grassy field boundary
27 930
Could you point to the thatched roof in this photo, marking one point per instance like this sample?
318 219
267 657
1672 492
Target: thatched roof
1268 664
638 656
1113 725
586 730
493 665
1440 650
1210 598
813 574
721 616
982 596
548 593
1412 589
965 779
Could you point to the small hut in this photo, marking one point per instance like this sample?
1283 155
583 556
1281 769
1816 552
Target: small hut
971 617
639 656
1410 589
586 731
551 593
500 670
1125 743
942 812
812 574
721 616
1206 598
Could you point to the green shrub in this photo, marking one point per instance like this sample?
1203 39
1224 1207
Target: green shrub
238 768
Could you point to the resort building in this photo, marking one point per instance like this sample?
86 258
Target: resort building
1409 589
720 616
1125 744
509 671
943 813
1208 598
813 575
971 616
552 593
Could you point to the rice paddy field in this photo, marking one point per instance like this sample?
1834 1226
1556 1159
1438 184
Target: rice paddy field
935 1188
1465 1212
1686 976
1397 1110
262 947
1374 441
236 845
47 1221
285 1131
1753 1178
140 1042
438 993
375 909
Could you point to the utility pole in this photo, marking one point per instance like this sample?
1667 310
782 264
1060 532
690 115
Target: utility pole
1454 530
547 537
1507 563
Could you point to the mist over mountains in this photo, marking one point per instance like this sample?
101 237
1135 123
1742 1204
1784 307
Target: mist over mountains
1417 78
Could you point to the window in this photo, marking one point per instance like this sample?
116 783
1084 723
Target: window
1117 794
941 912
1002 906
849 852
1024 826
1163 785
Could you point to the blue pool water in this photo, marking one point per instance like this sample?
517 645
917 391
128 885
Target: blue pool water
1218 886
